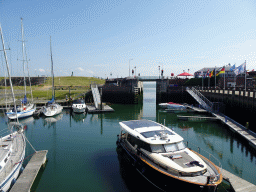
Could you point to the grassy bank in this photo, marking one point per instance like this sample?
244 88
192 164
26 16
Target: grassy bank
76 85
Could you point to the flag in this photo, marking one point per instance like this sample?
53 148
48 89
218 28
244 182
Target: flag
240 69
207 74
233 67
211 74
221 71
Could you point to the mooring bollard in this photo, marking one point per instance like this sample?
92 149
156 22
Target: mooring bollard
247 125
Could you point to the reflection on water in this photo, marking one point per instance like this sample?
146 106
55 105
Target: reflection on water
82 147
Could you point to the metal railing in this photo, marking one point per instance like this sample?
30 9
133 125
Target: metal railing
201 99
96 95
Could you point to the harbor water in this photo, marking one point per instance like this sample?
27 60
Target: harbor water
82 153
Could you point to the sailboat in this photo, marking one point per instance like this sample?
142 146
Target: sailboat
12 144
52 108
25 109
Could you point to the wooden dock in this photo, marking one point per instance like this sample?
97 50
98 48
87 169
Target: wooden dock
105 108
245 133
195 118
27 178
238 184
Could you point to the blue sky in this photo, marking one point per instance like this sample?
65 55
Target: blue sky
96 38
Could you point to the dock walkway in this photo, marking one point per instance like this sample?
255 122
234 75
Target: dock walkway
105 108
238 184
194 118
26 179
245 133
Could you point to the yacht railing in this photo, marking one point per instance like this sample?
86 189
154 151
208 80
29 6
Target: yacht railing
203 154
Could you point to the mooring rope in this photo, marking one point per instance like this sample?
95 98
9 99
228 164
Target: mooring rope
29 143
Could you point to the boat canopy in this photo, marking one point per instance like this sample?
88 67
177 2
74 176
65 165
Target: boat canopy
52 101
24 101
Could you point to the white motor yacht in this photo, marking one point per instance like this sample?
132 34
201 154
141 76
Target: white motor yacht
160 155
79 106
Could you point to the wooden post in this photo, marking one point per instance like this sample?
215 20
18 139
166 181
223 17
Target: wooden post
253 98
101 98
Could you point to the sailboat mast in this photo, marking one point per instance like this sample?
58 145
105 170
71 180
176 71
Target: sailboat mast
23 55
8 71
52 69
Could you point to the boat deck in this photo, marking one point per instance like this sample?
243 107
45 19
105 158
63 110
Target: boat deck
200 179
18 145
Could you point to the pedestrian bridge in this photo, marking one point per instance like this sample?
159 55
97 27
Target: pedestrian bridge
149 78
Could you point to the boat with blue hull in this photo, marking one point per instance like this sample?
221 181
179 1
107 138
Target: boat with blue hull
159 155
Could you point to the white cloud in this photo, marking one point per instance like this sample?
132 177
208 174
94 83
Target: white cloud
41 70
80 69
90 71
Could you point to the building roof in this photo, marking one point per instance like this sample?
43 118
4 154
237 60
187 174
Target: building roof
205 69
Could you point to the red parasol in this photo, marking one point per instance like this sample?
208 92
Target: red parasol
185 74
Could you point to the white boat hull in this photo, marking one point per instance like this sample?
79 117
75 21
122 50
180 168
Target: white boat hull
23 113
78 108
7 182
52 110
171 106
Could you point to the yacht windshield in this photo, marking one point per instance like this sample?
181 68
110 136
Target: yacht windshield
174 147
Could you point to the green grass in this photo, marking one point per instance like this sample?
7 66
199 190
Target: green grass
73 81
78 85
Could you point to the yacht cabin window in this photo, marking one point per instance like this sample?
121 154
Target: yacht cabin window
157 149
137 142
168 147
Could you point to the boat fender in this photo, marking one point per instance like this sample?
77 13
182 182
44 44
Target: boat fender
13 181
21 169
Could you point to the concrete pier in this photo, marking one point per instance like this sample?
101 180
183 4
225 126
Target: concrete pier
245 133
27 178
238 184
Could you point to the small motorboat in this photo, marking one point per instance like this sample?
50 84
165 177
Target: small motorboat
171 105
160 155
79 106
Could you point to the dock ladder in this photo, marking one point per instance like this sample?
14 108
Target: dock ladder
96 95
200 98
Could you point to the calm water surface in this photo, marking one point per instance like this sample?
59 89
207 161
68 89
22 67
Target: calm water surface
82 147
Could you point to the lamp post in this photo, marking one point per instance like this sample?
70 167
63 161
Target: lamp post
159 71
129 67
135 70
